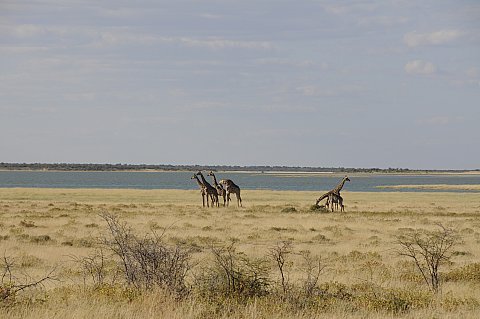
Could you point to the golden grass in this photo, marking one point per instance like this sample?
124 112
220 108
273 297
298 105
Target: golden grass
43 228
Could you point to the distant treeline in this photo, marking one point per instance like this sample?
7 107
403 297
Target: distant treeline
146 167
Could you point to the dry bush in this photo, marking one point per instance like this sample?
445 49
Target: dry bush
279 254
147 262
99 268
12 282
312 268
429 250
233 274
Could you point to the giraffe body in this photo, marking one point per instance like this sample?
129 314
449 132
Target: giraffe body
221 191
210 190
231 187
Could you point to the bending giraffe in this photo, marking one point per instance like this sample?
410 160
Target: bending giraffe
210 190
221 191
333 201
333 196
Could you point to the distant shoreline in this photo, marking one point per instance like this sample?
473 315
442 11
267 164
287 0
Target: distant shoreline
272 173
279 170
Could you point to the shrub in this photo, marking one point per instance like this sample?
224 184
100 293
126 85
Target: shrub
470 272
318 209
27 223
40 239
233 274
428 249
289 210
148 262
11 283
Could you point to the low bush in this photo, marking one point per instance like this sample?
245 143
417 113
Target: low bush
289 210
233 274
470 272
147 262
318 209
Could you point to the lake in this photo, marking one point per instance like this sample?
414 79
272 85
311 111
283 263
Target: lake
247 180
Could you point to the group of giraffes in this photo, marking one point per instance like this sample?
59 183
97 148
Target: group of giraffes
223 188
333 197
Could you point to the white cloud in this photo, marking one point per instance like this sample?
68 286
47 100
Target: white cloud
22 49
312 90
442 120
420 67
291 62
414 39
386 21
472 72
23 30
221 43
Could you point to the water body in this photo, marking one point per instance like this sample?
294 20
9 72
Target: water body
181 180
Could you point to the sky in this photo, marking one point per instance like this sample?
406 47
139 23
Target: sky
323 83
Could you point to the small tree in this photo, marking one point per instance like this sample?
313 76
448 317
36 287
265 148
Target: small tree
428 249
312 268
279 254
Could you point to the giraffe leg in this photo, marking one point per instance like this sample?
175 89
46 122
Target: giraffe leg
239 200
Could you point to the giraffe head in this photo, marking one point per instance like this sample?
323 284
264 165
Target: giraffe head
347 179
199 173
210 173
193 177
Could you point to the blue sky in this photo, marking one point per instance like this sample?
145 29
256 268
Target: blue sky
388 83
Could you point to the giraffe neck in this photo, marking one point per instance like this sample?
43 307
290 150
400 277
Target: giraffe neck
198 181
204 181
214 180
339 186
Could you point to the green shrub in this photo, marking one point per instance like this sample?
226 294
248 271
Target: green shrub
289 210
40 239
318 209
27 223
470 272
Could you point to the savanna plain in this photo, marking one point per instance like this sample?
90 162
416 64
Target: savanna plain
109 253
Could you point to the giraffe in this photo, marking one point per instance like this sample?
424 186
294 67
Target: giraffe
339 187
333 196
202 189
210 190
334 201
220 190
231 187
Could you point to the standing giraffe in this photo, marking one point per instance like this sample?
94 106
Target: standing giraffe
210 190
231 187
339 187
334 199
202 188
220 190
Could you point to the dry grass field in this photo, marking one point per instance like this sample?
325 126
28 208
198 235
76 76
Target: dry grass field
362 275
